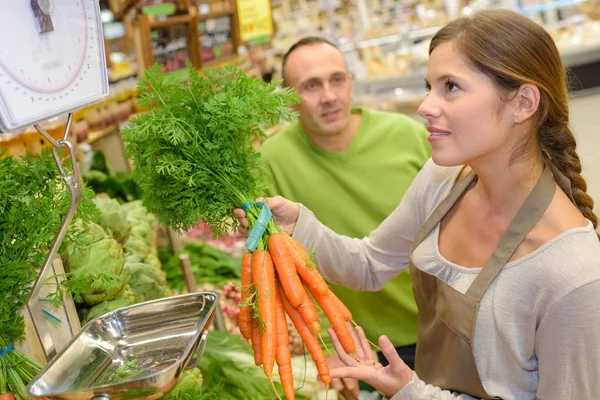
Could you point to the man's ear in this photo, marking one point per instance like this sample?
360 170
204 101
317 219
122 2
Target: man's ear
526 101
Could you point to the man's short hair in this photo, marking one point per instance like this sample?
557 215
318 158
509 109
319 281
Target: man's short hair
307 41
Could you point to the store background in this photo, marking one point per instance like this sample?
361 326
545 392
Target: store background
383 41
585 120
385 44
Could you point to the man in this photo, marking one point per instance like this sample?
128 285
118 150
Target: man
351 167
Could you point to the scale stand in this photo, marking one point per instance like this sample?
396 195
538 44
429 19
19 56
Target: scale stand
158 339
33 305
57 66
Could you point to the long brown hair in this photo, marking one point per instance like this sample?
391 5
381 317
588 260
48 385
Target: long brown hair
513 50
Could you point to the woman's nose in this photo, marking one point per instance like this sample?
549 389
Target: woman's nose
428 108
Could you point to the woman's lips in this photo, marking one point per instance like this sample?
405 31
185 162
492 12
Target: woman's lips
436 133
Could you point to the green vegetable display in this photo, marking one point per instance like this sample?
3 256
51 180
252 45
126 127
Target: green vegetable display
229 372
227 365
209 265
193 152
97 266
189 387
117 256
117 185
33 203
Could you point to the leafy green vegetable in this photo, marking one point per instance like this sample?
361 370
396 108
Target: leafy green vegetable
193 152
94 265
189 386
117 185
104 307
112 217
33 203
228 364
209 265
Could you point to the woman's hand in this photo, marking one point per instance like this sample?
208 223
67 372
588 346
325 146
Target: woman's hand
388 380
342 385
284 212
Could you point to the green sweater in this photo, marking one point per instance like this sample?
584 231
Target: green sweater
352 193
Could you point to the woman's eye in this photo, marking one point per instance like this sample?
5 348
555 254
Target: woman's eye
451 86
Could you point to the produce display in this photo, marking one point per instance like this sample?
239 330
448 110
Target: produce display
194 158
209 265
229 372
32 206
117 185
117 246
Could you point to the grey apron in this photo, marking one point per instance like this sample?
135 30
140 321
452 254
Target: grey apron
446 319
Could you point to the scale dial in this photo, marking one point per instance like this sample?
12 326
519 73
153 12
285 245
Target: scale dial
48 72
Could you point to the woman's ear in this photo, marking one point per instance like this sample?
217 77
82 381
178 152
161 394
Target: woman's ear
526 101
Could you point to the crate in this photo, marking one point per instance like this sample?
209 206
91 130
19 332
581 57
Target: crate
61 333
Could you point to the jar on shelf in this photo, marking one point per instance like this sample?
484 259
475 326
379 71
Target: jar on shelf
13 143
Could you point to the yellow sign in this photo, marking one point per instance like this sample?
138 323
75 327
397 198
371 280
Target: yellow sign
254 18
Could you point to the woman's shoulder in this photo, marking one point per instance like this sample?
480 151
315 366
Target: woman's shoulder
569 260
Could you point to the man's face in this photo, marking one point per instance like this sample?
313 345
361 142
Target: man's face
318 73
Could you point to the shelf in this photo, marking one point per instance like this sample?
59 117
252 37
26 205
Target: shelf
168 21
551 6
414 35
215 14
100 134
583 54
120 12
232 59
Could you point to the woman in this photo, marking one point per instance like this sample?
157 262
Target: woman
498 231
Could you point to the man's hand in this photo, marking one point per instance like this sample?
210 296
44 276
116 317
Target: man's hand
284 212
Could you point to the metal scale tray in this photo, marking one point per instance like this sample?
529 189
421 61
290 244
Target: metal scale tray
136 352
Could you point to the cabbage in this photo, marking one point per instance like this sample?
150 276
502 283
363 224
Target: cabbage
189 386
104 307
146 282
113 217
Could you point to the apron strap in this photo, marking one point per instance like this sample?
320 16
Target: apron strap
443 208
530 213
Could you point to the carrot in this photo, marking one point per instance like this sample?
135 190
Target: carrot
283 355
256 344
246 309
309 313
335 317
305 267
346 314
7 396
284 263
267 307
309 338
316 327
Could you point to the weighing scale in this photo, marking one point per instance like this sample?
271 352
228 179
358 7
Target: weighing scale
52 62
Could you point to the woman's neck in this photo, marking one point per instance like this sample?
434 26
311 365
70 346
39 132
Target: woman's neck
503 186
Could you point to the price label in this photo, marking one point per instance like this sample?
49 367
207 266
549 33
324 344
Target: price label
254 18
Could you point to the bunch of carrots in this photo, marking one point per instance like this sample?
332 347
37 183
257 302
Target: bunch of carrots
283 279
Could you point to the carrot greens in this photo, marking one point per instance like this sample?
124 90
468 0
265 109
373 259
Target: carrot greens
193 152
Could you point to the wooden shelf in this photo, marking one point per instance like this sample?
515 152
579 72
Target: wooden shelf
232 59
99 134
120 8
168 21
216 14
145 24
